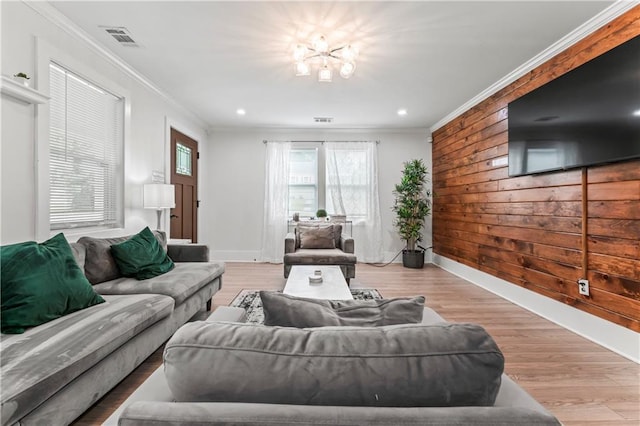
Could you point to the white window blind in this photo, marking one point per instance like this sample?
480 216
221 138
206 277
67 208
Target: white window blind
85 153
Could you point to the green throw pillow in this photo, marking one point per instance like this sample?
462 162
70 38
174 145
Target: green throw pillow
41 282
141 256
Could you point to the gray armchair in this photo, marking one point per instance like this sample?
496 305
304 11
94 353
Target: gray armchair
320 244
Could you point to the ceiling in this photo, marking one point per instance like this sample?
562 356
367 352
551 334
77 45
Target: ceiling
428 57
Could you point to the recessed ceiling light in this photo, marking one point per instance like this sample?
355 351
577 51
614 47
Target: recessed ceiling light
636 113
402 112
241 111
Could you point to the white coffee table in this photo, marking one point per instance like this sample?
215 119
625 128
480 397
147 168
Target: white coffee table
332 287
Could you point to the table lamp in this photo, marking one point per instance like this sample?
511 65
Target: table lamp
159 196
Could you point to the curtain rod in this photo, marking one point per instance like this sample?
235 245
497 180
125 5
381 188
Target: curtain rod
264 141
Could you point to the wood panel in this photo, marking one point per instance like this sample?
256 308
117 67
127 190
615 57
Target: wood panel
543 231
578 381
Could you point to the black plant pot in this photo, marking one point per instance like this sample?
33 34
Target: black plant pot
413 259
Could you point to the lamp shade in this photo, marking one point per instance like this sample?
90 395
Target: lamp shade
159 196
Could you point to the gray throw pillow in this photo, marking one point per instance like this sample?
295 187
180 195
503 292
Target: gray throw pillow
298 230
289 311
337 231
407 365
99 264
320 237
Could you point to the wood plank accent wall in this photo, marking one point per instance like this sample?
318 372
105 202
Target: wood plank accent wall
529 230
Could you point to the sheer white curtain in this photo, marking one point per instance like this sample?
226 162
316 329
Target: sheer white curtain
276 201
352 190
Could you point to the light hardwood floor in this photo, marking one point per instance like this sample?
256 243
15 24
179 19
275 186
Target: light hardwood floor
580 382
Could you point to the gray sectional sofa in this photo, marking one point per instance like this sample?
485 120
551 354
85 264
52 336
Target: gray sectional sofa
153 403
54 372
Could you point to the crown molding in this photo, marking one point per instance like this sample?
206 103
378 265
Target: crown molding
54 16
379 130
607 15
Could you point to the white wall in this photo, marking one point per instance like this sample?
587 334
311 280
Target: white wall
231 168
233 194
146 148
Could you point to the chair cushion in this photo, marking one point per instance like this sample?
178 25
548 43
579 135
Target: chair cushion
409 365
289 311
141 256
337 233
319 257
37 364
41 282
185 279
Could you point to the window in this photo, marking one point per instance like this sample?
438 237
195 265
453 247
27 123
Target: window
303 181
183 159
336 176
348 181
86 127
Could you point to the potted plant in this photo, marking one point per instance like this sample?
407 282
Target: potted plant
321 213
22 78
412 205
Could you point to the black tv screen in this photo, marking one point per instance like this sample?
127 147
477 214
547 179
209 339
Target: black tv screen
588 116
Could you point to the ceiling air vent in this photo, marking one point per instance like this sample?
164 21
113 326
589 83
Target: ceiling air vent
121 35
323 119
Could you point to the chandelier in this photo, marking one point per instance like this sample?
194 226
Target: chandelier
320 52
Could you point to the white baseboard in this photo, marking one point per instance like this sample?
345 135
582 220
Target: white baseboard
614 337
388 255
254 256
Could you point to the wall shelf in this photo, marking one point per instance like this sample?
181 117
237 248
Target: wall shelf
12 88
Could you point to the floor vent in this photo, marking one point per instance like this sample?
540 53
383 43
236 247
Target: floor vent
323 119
121 35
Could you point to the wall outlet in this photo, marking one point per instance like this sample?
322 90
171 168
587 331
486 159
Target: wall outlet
583 287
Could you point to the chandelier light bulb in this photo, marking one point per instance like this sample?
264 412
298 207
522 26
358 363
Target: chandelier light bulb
325 74
301 68
347 69
299 52
320 45
349 53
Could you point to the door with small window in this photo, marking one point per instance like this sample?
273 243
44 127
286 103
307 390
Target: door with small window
184 177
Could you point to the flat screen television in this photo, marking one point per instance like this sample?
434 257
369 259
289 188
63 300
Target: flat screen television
588 116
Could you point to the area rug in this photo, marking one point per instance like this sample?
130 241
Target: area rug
250 301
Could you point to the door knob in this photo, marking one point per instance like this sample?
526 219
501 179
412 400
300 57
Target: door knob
174 215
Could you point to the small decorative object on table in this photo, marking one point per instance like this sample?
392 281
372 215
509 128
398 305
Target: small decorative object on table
296 217
316 278
321 214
